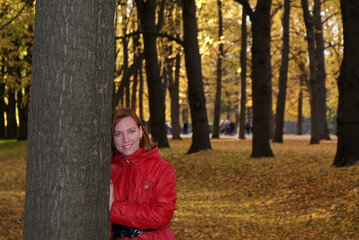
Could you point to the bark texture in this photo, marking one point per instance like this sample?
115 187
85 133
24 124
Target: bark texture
69 147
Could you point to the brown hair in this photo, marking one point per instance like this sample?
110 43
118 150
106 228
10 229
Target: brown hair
120 113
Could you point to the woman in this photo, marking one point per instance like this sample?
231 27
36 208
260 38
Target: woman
142 189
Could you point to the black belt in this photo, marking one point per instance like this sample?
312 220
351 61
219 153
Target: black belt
119 231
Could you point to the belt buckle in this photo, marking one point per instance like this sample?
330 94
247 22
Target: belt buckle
133 233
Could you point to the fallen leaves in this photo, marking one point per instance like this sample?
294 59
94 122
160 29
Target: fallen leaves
225 194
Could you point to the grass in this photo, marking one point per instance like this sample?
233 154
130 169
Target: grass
225 194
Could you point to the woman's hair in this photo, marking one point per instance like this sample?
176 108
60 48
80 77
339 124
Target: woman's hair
121 113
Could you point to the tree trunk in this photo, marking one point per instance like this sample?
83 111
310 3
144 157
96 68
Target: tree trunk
348 84
2 110
197 101
316 80
147 14
217 102
23 110
320 70
68 157
140 92
300 113
283 75
11 128
261 79
243 60
173 88
302 82
135 75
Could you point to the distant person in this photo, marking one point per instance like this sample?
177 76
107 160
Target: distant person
185 127
248 127
168 128
142 189
226 127
232 127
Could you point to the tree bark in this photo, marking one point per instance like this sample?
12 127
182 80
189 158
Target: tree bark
316 76
243 61
348 84
2 110
217 102
147 14
173 88
11 128
320 70
23 110
69 153
283 75
197 101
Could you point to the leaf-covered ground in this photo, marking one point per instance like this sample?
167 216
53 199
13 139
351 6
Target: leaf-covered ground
225 194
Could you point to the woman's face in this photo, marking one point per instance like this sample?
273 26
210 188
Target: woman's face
127 136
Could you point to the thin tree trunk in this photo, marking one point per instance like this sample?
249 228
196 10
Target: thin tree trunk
68 154
348 84
23 110
320 70
243 60
11 129
302 82
173 88
135 75
217 102
197 101
2 110
140 92
283 75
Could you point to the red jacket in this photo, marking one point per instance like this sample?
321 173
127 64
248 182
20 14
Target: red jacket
145 196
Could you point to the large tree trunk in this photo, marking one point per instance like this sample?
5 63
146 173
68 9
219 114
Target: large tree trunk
217 102
243 61
283 75
261 79
68 158
348 84
197 100
316 75
147 14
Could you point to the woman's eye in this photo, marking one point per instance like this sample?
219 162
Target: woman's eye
131 131
118 134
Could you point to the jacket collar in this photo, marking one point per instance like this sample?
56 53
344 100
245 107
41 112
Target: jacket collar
137 157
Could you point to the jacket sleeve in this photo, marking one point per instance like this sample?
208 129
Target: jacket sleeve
157 213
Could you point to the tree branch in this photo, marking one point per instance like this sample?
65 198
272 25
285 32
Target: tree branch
16 16
247 8
170 37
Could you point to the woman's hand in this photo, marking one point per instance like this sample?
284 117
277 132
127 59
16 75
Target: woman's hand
112 195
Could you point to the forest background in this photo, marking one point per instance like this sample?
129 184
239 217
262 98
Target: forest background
17 26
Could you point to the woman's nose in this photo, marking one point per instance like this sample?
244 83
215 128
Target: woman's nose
124 138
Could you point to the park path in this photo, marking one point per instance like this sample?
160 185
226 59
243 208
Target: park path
249 136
